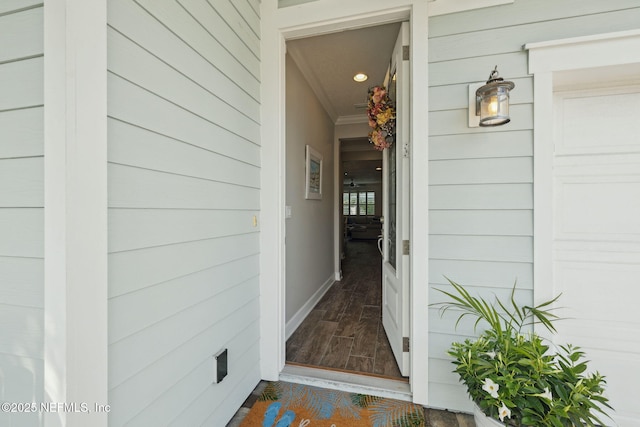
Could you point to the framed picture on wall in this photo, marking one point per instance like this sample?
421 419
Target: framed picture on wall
313 175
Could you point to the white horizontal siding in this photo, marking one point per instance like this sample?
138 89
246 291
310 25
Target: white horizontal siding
481 171
481 248
21 207
142 188
481 196
167 83
481 222
481 180
183 24
138 228
25 241
22 381
21 280
184 186
22 182
131 146
128 18
21 133
524 12
509 39
166 118
21 83
481 145
20 30
159 382
169 298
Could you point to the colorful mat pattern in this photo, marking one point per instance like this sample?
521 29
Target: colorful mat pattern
294 405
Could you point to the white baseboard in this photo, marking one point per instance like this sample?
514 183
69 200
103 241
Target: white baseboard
304 311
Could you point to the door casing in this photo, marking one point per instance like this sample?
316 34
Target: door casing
310 19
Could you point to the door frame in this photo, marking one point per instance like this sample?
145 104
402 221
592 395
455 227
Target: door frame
556 65
320 17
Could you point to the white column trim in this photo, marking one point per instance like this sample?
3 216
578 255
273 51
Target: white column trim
552 63
419 203
272 196
75 251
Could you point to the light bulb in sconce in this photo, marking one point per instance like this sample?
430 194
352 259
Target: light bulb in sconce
492 101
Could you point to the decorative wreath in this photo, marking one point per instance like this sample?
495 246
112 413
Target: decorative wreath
382 118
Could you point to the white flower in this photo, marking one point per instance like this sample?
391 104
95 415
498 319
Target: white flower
491 354
491 387
547 394
504 412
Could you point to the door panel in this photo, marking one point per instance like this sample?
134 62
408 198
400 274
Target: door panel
596 241
395 266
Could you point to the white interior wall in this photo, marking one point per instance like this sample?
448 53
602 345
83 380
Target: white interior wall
309 230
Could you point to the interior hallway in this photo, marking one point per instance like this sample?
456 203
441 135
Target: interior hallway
344 331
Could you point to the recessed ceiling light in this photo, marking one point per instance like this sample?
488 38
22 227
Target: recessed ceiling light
378 168
360 77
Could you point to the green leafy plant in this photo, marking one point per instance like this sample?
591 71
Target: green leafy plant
510 373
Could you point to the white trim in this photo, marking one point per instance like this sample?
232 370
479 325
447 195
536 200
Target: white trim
75 251
443 7
584 52
297 319
272 196
312 19
436 7
419 204
548 61
344 381
354 119
316 87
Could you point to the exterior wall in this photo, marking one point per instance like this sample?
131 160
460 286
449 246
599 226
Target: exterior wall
21 207
481 196
184 187
309 245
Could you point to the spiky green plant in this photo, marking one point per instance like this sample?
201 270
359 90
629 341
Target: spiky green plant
510 373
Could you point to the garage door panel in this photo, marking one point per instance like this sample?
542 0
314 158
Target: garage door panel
600 292
596 235
598 210
619 369
609 127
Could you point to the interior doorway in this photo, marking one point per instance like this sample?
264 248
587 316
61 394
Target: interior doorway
345 330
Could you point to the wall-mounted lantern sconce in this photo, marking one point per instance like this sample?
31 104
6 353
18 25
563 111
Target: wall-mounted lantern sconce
489 102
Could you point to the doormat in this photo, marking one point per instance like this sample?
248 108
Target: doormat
284 404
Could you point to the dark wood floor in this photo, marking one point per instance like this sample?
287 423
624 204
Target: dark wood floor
344 331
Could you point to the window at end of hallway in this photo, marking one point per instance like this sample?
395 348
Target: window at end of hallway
359 203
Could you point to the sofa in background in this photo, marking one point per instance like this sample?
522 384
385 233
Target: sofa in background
363 227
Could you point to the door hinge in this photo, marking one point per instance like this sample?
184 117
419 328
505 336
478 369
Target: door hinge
405 53
405 344
405 247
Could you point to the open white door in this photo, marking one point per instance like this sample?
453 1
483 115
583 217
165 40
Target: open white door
395 265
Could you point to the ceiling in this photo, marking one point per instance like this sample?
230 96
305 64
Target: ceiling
330 61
